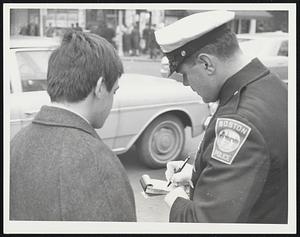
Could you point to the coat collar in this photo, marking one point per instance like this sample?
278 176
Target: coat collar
54 116
251 72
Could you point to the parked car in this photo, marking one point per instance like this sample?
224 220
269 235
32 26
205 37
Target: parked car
270 47
149 112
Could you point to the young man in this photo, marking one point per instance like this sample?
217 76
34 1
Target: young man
60 169
241 170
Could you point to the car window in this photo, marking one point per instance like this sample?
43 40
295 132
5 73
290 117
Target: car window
33 69
284 49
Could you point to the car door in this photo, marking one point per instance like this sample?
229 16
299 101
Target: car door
29 83
15 121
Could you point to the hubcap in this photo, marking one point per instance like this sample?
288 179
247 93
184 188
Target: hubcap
166 142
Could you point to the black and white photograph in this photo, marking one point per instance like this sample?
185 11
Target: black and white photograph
149 118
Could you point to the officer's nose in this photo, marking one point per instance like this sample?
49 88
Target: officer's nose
185 80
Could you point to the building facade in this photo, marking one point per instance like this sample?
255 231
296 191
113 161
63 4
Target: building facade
36 22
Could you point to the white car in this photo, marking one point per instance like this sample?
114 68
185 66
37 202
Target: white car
150 112
270 47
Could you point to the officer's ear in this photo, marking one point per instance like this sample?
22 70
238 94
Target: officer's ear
207 61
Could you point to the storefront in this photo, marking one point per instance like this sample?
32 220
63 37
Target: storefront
25 20
22 20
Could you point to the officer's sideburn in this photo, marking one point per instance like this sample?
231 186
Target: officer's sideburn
185 80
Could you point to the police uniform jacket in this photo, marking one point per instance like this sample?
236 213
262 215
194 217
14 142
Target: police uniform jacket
60 170
240 173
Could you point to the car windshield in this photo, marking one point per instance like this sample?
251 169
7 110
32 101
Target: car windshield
33 69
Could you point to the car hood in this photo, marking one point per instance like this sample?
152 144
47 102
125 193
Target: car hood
137 89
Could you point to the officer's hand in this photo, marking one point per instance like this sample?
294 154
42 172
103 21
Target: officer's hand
182 178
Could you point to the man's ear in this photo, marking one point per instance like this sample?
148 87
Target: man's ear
207 62
99 87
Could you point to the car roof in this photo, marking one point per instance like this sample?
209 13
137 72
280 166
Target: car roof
273 35
33 42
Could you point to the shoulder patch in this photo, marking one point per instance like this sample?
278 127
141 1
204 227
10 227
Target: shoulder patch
230 136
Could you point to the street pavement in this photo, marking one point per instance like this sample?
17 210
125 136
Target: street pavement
152 209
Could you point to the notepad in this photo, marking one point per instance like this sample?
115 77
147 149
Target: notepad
154 186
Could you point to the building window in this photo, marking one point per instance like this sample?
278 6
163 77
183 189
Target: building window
241 26
62 18
245 26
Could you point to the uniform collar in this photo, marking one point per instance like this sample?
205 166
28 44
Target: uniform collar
60 117
251 72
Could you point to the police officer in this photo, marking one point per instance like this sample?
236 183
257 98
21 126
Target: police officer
240 174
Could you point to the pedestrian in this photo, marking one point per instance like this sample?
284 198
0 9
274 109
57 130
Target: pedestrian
33 29
135 40
152 44
146 38
240 174
24 30
50 31
108 33
77 27
60 168
127 48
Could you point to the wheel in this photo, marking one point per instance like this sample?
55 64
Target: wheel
161 142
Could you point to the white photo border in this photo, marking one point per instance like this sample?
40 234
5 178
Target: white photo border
64 227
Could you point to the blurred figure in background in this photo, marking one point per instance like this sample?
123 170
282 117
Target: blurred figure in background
98 30
135 40
127 41
146 38
108 33
50 31
24 30
33 28
77 27
153 46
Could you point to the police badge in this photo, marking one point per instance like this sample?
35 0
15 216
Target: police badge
230 136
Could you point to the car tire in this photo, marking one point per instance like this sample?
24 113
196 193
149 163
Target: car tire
161 142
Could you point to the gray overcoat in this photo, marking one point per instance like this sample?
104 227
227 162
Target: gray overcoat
60 170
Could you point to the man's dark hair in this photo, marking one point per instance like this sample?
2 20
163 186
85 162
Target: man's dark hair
75 67
223 47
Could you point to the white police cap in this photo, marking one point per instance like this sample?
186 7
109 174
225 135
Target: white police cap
182 38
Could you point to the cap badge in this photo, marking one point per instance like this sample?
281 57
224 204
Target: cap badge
183 53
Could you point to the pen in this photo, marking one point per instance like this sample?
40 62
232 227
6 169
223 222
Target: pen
177 171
